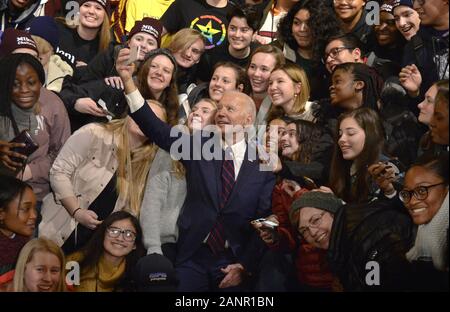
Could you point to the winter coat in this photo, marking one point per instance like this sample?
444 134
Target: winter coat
380 231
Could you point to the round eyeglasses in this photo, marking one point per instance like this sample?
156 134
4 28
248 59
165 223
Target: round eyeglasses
314 222
420 193
127 235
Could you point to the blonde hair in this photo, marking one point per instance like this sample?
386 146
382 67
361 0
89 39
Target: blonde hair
42 45
183 39
41 244
104 33
297 75
133 165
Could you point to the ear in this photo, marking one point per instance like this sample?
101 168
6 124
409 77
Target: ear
297 88
240 87
356 54
359 85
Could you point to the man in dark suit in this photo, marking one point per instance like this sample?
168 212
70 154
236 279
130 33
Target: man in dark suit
217 246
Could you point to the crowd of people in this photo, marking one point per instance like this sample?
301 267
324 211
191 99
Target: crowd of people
224 145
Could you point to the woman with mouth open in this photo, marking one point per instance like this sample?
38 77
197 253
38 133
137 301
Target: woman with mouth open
360 171
108 260
40 267
425 196
21 109
18 217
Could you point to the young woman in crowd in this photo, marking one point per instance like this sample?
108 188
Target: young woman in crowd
289 91
166 190
358 161
21 109
439 121
262 62
298 144
40 267
352 16
426 110
226 77
187 46
303 34
18 217
355 235
102 168
90 35
108 259
425 196
156 80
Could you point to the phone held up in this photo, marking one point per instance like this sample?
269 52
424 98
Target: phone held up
30 145
134 54
266 223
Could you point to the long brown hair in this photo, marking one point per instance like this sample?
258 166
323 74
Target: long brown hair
169 97
340 176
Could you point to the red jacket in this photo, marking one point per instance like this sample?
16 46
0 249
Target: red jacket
310 262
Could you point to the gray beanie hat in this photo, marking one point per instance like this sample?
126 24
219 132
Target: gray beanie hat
320 200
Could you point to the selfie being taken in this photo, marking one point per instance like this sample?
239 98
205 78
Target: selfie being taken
244 149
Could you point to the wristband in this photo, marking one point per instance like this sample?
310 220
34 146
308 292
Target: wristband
75 211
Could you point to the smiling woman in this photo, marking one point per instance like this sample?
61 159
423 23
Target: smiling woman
40 267
108 259
17 222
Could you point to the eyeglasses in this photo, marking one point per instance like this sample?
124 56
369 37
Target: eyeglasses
420 193
127 235
334 53
314 222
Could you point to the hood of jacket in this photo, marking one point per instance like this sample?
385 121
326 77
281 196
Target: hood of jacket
26 14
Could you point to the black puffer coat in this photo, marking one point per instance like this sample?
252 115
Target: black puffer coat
380 231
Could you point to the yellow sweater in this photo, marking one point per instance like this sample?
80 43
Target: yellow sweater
101 278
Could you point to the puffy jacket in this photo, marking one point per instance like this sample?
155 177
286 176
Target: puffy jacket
380 231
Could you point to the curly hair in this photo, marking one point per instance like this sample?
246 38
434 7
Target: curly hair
322 24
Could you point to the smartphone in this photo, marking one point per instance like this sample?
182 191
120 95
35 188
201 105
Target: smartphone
30 145
101 104
266 222
134 54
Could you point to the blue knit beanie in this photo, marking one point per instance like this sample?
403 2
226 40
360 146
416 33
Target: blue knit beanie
46 28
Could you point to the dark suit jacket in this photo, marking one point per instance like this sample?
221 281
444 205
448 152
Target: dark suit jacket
250 197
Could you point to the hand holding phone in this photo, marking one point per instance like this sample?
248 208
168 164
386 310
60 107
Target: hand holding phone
267 230
30 145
